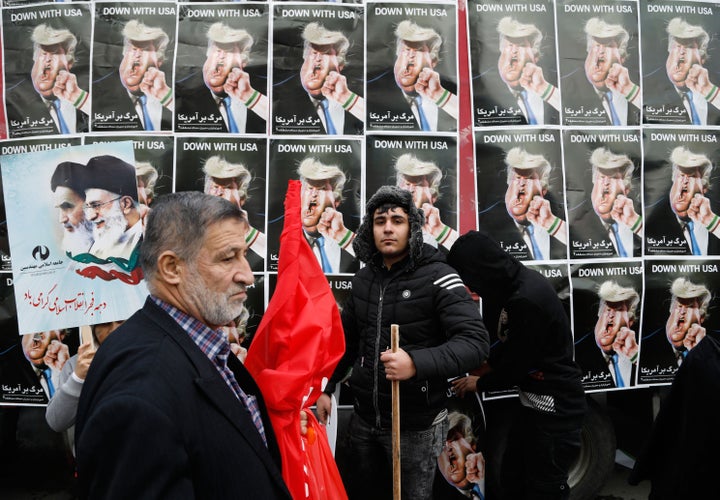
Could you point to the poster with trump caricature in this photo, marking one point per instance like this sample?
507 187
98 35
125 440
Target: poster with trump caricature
46 63
221 84
513 61
681 309
425 166
318 63
133 58
412 69
78 264
680 74
603 189
330 173
680 199
598 48
607 305
520 192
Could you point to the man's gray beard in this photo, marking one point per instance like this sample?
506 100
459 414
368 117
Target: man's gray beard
110 234
214 307
80 240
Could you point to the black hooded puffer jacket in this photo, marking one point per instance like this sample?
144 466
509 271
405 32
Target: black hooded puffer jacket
440 326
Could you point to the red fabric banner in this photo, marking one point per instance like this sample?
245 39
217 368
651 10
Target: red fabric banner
298 344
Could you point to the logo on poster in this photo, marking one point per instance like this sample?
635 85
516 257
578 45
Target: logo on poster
41 252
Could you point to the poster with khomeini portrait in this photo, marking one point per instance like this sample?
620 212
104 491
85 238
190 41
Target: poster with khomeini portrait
75 226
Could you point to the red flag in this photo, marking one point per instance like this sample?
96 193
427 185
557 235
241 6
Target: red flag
298 343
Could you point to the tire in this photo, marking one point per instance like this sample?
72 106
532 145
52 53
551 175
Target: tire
597 455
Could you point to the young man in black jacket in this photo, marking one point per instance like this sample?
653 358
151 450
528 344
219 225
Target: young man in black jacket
535 355
404 282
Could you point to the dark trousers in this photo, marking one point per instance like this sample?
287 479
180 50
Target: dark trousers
364 458
536 458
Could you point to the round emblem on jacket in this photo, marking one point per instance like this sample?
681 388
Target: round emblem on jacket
406 294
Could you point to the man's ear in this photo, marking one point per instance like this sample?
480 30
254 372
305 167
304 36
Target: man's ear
170 268
126 203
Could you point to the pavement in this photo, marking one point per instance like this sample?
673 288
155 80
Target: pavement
617 487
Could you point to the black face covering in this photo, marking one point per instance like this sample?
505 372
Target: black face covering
484 266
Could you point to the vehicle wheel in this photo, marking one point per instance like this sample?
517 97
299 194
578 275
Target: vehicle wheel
597 455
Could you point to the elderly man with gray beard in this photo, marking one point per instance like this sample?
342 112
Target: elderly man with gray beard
166 411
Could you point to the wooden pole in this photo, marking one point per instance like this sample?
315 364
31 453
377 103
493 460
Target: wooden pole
394 344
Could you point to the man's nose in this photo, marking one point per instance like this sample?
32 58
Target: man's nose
243 273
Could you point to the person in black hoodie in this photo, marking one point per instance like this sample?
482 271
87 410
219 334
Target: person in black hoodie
680 455
534 354
404 282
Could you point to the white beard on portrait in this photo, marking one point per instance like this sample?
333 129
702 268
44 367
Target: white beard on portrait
80 239
111 232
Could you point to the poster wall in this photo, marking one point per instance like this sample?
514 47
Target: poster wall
627 91
582 135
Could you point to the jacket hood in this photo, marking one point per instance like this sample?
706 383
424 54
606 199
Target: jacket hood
364 243
483 265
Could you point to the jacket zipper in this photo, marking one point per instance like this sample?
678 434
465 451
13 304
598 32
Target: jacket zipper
376 365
